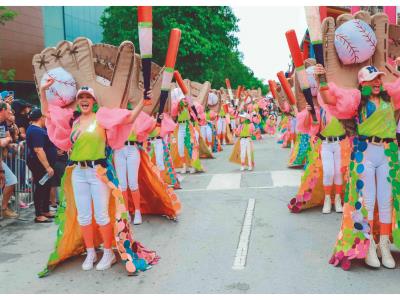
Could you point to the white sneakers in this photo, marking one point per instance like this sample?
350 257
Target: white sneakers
250 168
105 263
91 258
384 252
107 260
242 168
338 204
137 218
372 258
192 170
326 209
183 170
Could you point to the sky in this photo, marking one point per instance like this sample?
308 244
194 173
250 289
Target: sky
262 37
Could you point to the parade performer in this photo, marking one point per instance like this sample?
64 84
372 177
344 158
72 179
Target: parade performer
185 150
89 175
243 150
221 124
270 125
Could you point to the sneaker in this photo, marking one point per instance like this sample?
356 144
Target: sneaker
192 170
23 205
137 219
107 260
242 168
9 213
91 258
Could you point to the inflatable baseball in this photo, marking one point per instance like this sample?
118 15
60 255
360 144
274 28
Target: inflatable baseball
63 91
355 42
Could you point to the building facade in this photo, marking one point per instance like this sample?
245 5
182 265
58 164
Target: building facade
35 28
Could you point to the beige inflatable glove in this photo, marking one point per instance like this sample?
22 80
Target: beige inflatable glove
199 92
105 68
346 75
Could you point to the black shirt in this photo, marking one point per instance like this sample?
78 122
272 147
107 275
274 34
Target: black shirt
36 137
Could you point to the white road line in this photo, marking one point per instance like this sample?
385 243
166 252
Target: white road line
242 188
286 178
244 239
224 182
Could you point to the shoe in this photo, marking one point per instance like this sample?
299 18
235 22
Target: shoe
53 207
91 258
250 168
338 204
107 260
183 170
42 221
242 168
384 252
326 209
137 218
9 213
23 205
192 170
372 258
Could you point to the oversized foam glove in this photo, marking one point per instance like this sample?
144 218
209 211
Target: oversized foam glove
105 68
346 75
300 100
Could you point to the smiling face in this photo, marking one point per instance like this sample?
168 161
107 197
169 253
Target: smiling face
85 103
375 84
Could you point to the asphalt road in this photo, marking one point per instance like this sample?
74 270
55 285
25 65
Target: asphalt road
235 235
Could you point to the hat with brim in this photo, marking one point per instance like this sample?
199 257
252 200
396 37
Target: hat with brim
368 73
86 90
35 114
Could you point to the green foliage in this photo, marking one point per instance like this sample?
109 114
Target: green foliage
208 47
7 75
6 15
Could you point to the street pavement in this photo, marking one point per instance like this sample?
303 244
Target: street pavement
235 235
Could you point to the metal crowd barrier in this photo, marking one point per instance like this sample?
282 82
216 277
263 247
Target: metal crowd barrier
16 160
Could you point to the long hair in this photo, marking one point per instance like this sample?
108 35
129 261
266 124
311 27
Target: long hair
364 98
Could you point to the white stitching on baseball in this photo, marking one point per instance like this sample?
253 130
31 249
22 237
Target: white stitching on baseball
351 49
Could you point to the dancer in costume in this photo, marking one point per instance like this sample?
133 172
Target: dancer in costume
89 176
374 168
221 124
270 125
243 151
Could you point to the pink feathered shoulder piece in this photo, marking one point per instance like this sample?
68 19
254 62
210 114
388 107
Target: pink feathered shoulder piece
113 121
58 127
347 102
304 123
393 89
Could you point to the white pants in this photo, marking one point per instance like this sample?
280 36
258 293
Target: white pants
376 184
127 162
159 153
331 163
221 126
197 135
181 139
233 124
86 187
206 132
245 148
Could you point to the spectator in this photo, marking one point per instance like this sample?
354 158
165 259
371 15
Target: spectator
42 155
7 96
21 111
7 179
59 168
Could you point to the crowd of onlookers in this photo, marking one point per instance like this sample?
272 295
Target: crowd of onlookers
24 144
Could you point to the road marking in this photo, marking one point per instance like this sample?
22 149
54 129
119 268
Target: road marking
225 182
244 239
286 178
242 188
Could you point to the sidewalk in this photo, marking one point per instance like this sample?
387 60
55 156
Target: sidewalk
25 216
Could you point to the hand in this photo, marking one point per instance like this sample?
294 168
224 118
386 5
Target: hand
46 85
60 152
150 94
308 107
50 171
2 178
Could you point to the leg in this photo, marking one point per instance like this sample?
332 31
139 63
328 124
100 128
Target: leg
248 152
181 145
338 177
133 171
10 182
82 195
328 172
101 194
120 162
159 153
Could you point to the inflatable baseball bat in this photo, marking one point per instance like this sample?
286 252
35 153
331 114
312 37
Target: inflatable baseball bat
272 88
300 69
184 89
173 46
229 88
238 92
145 26
180 82
286 87
314 28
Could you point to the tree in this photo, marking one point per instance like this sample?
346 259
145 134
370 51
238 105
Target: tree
208 48
6 15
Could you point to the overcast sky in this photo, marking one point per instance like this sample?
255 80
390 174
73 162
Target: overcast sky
262 37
